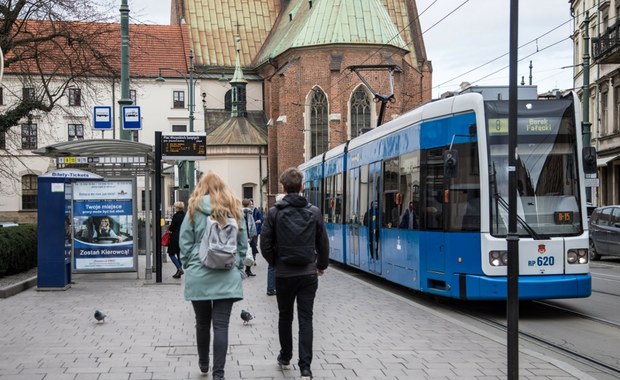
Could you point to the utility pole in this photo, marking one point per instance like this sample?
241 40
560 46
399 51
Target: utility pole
586 92
191 164
512 301
125 99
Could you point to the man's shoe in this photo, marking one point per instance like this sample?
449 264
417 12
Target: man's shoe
271 292
204 370
284 364
250 274
306 374
177 274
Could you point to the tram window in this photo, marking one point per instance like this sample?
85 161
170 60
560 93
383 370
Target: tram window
352 198
431 210
329 190
363 194
409 190
462 192
338 211
391 188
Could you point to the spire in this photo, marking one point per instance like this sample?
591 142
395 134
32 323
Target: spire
238 83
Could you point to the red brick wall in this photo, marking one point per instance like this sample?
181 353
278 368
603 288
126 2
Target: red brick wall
296 73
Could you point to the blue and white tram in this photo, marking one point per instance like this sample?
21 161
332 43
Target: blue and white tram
395 208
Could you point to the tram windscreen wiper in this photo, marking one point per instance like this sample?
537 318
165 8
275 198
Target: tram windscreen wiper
502 202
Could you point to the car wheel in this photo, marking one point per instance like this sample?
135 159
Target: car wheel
593 255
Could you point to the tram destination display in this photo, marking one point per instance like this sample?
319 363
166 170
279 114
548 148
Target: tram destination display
184 146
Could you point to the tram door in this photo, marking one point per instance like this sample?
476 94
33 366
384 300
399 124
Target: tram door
355 216
374 217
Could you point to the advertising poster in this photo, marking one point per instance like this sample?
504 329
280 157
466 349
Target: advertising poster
103 226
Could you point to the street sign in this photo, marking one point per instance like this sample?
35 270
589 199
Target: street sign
131 118
190 146
103 117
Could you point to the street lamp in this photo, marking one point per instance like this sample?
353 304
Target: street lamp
191 83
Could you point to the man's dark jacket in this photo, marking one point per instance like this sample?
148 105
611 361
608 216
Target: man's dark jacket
268 240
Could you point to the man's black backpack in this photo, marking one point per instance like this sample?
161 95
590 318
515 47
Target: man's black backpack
295 234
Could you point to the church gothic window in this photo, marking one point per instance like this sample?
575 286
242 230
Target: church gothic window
360 112
318 123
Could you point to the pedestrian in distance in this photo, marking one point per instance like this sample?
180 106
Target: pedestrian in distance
257 214
174 251
212 291
251 231
294 241
271 271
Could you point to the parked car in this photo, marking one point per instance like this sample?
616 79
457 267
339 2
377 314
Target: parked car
604 228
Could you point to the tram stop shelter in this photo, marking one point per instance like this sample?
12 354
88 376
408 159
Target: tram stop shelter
113 159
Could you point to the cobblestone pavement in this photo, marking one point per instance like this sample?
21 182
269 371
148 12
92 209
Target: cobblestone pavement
361 332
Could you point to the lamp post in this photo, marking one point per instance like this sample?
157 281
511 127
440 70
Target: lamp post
188 167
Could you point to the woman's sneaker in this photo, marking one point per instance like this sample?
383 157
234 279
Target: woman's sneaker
306 374
284 364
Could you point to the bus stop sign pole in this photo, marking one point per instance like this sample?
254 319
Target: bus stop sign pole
512 304
158 258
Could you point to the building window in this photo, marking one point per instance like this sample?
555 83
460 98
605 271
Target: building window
75 97
28 94
318 122
132 96
179 128
76 131
3 140
178 99
29 192
248 192
228 101
29 136
616 127
604 111
1 96
360 112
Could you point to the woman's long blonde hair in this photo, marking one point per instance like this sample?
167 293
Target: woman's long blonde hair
223 202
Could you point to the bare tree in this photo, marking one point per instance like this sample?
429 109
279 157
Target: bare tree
51 45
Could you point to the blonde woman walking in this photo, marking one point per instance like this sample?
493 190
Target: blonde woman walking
211 291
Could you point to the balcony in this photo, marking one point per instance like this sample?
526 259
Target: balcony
606 48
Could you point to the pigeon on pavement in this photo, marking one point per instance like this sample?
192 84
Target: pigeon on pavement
246 316
100 316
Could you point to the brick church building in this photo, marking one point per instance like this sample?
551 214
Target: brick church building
298 62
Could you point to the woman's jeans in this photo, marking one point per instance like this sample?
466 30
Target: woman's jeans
303 289
175 260
217 311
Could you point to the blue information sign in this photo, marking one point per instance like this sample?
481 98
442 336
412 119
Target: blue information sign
103 117
131 118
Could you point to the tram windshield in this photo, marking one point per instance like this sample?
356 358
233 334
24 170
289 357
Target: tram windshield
547 171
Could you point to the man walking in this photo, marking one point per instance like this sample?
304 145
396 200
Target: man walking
293 240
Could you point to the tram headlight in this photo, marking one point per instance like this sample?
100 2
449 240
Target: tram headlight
577 256
498 258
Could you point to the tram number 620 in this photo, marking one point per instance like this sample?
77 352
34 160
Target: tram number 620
543 261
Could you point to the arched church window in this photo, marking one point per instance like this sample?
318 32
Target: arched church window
318 122
360 112
228 100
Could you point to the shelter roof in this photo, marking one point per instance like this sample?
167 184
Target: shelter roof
109 158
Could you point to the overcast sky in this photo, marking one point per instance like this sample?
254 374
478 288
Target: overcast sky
468 40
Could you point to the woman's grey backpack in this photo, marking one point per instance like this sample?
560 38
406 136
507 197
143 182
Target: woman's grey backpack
218 246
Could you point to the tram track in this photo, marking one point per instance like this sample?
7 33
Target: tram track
547 344
540 313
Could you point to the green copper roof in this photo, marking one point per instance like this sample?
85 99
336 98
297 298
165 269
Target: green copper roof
322 22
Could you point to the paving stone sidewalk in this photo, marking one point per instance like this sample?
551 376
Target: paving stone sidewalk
361 332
